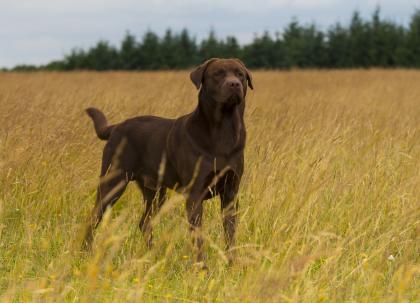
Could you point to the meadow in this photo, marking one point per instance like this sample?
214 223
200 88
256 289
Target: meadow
329 202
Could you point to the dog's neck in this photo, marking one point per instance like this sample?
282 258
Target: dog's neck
222 123
216 113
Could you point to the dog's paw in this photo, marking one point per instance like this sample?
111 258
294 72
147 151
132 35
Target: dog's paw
230 257
201 268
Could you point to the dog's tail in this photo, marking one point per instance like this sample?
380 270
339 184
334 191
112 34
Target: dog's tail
103 130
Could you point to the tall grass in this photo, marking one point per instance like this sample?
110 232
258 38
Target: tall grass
329 203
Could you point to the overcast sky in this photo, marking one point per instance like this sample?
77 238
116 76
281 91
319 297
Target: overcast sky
38 31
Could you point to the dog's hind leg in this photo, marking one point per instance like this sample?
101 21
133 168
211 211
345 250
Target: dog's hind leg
154 200
117 170
109 191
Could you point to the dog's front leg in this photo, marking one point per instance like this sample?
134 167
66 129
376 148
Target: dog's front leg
229 208
195 215
229 214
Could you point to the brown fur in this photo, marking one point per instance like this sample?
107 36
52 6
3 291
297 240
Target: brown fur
201 150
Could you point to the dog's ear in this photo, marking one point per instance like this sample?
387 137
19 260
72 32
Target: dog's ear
197 74
248 73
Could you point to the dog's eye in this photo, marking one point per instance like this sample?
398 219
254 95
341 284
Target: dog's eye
239 73
219 72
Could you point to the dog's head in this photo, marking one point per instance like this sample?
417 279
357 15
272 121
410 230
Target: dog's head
224 80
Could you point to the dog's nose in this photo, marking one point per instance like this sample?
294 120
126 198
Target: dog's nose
234 84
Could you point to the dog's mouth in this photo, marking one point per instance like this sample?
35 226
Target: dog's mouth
235 98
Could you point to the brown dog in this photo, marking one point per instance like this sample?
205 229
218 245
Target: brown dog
201 153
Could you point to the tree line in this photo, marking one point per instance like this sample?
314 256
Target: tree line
376 42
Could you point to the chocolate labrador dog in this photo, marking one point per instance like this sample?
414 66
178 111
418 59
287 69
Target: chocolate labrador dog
200 154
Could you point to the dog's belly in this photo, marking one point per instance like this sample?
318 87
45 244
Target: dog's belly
214 173
153 183
154 178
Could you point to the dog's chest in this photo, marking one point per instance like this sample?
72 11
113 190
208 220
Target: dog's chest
224 142
194 147
227 137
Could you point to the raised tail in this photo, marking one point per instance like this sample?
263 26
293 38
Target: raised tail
103 131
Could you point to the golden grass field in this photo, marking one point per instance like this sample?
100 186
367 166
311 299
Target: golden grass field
329 202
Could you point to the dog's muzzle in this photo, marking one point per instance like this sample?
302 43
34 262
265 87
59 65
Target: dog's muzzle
234 99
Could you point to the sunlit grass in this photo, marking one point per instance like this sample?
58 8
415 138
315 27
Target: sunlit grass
329 203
